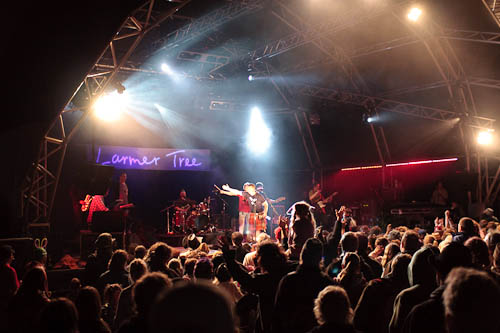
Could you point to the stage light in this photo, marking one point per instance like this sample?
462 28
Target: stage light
250 77
485 138
166 68
371 119
414 14
259 135
110 107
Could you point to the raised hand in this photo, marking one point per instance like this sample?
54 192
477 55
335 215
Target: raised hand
226 187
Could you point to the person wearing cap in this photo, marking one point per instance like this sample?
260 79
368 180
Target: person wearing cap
259 186
9 283
97 262
429 316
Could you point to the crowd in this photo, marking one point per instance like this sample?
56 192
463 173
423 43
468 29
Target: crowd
338 277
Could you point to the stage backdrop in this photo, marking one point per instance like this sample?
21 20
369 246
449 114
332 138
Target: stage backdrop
153 158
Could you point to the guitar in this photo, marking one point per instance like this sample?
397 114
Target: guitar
86 202
324 201
280 199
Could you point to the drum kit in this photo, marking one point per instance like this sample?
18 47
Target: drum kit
192 218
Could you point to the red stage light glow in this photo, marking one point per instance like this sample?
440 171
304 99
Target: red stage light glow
401 164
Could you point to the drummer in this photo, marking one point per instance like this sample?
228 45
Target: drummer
183 205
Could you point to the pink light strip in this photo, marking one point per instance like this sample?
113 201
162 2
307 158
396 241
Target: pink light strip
401 164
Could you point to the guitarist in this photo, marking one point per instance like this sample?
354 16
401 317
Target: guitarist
319 202
259 186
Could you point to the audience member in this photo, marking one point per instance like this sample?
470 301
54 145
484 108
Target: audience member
390 251
480 254
125 302
59 316
140 252
97 262
145 291
375 269
189 268
157 258
176 265
204 270
471 302
429 315
88 304
351 278
241 251
225 281
110 298
116 272
173 310
249 260
466 230
25 307
291 315
410 242
8 280
302 227
333 311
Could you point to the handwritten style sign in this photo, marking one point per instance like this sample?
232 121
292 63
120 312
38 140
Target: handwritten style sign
153 158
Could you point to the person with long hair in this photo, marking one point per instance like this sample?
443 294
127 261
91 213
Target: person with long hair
302 227
351 278
26 306
333 311
157 258
88 304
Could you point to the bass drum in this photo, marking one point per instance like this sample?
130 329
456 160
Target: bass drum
202 222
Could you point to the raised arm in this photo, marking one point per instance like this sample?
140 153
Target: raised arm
231 190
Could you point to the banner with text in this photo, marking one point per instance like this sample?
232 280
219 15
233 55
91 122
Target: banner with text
153 158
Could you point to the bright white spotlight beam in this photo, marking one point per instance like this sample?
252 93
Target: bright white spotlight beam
110 107
259 135
485 138
166 68
414 14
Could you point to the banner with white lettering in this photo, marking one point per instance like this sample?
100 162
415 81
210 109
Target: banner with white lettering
153 158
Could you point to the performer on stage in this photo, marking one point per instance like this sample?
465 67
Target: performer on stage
96 205
182 207
269 220
319 202
243 208
123 190
258 209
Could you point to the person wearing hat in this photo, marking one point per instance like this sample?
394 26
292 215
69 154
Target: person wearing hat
9 283
97 262
429 315
259 186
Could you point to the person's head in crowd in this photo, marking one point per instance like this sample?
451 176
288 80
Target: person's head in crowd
147 289
410 242
104 244
118 261
111 294
302 210
429 240
390 251
493 240
471 302
491 227
420 271
247 309
399 269
217 259
270 257
351 267
332 306
59 316
362 243
140 251
6 255
137 269
479 252
349 242
311 253
466 225
204 269
237 238
394 235
453 255
158 255
375 230
222 273
75 285
189 267
381 242
173 310
34 282
262 237
40 255
176 265
88 304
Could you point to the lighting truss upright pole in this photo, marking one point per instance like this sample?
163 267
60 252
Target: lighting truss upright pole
39 193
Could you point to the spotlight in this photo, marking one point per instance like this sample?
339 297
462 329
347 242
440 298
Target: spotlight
259 135
485 138
250 77
414 14
110 107
166 68
370 119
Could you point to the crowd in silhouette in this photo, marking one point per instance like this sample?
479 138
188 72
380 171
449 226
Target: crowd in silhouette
344 279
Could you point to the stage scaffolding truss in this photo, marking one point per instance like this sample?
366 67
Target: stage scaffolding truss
122 57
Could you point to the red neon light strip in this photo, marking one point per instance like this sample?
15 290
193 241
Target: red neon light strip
401 164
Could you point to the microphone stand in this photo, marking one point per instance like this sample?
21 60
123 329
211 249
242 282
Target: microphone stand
167 209
224 205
